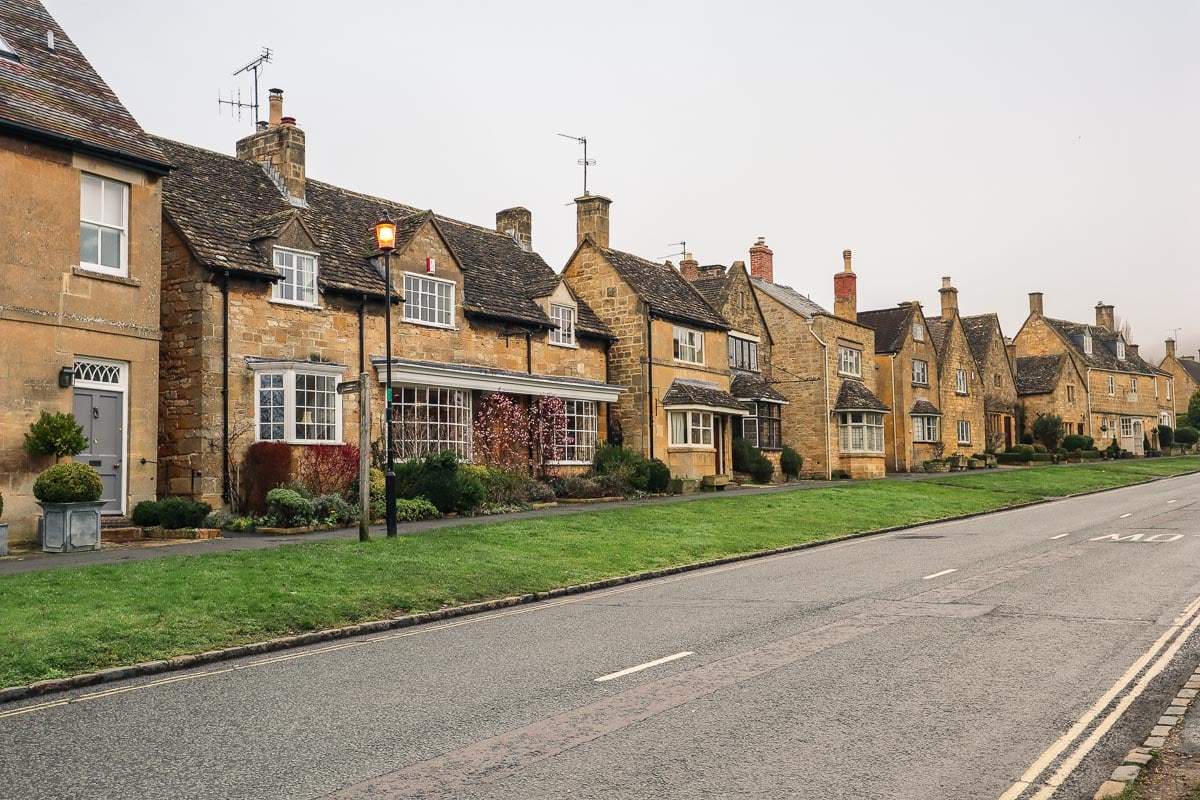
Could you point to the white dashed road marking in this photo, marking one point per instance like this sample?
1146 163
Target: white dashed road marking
641 667
938 574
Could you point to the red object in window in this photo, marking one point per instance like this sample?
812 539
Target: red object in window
431 264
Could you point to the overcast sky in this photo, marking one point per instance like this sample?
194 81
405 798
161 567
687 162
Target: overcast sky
1014 146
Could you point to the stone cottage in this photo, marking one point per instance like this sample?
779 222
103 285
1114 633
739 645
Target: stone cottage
1185 372
273 293
960 382
994 358
80 220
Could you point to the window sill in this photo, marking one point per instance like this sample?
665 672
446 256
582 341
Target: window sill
857 377
920 385
689 363
424 324
112 277
962 394
570 346
568 463
295 304
679 448
861 453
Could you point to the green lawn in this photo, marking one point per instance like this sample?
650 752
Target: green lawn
68 621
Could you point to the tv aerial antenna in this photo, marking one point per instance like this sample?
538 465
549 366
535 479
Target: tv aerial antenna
1174 333
584 162
682 252
237 106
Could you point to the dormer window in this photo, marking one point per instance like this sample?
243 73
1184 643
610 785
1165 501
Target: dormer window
298 285
1120 350
428 301
7 51
564 318
1087 344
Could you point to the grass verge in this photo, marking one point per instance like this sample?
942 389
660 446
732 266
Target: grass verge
68 621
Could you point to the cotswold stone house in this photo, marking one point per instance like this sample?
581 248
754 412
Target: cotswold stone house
671 351
80 216
824 365
909 381
1185 374
750 344
273 292
1124 398
960 383
1053 384
994 357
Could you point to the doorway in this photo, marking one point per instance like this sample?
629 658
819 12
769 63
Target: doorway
99 407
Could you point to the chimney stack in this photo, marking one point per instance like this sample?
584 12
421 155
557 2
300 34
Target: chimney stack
591 219
1133 348
711 271
1170 348
1105 319
845 290
689 267
279 148
949 299
762 261
1035 304
517 222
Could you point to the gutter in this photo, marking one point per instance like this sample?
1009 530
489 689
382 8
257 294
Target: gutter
828 412
650 374
153 166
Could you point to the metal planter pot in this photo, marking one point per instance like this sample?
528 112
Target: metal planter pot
66 527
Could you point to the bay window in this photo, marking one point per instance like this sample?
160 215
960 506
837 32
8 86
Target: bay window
691 428
860 431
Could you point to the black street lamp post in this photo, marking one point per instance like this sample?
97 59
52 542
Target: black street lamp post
385 239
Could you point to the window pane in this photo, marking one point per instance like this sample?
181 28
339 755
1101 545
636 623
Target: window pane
89 199
114 204
110 248
89 244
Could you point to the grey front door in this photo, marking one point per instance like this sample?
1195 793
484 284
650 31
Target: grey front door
101 413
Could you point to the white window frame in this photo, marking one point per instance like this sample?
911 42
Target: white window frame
1112 386
425 296
1165 418
298 281
860 432
102 222
688 342
564 317
739 345
1133 392
964 431
960 381
918 331
1087 344
415 431
581 423
690 428
1168 382
288 378
923 378
925 428
1126 427
1120 350
849 361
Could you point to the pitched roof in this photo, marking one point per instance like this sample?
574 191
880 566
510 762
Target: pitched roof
789 297
924 408
938 329
1038 374
55 94
855 396
669 294
889 325
979 330
688 392
713 287
223 205
1101 356
753 387
1192 368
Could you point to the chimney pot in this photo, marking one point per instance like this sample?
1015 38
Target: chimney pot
279 144
262 124
1035 303
846 256
275 107
949 299
287 120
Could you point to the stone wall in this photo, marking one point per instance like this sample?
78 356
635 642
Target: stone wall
51 311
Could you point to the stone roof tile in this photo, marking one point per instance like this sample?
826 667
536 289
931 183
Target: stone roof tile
669 294
855 396
686 392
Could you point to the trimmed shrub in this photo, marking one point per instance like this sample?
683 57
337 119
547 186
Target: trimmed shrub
580 488
790 463
145 514
503 487
288 509
416 509
437 479
1042 457
1074 441
624 462
266 466
57 435
179 512
658 476
1027 438
1187 436
1166 436
1040 448
328 468
71 482
1011 458
332 509
1048 429
748 458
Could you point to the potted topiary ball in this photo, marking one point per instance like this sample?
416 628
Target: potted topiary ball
69 495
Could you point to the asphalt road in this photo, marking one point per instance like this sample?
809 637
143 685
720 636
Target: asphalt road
948 661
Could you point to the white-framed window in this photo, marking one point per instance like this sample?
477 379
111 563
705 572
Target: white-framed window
299 282
920 372
964 431
849 361
743 354
1070 395
860 431
1126 426
579 445
104 224
918 331
1112 385
689 345
691 428
564 318
430 419
960 381
925 428
1087 344
298 406
1120 350
1168 382
428 301
1164 418
764 428
1133 393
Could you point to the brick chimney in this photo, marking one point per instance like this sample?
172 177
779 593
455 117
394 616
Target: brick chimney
762 261
1105 319
279 149
591 219
689 267
1035 304
845 290
1170 348
517 222
949 299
